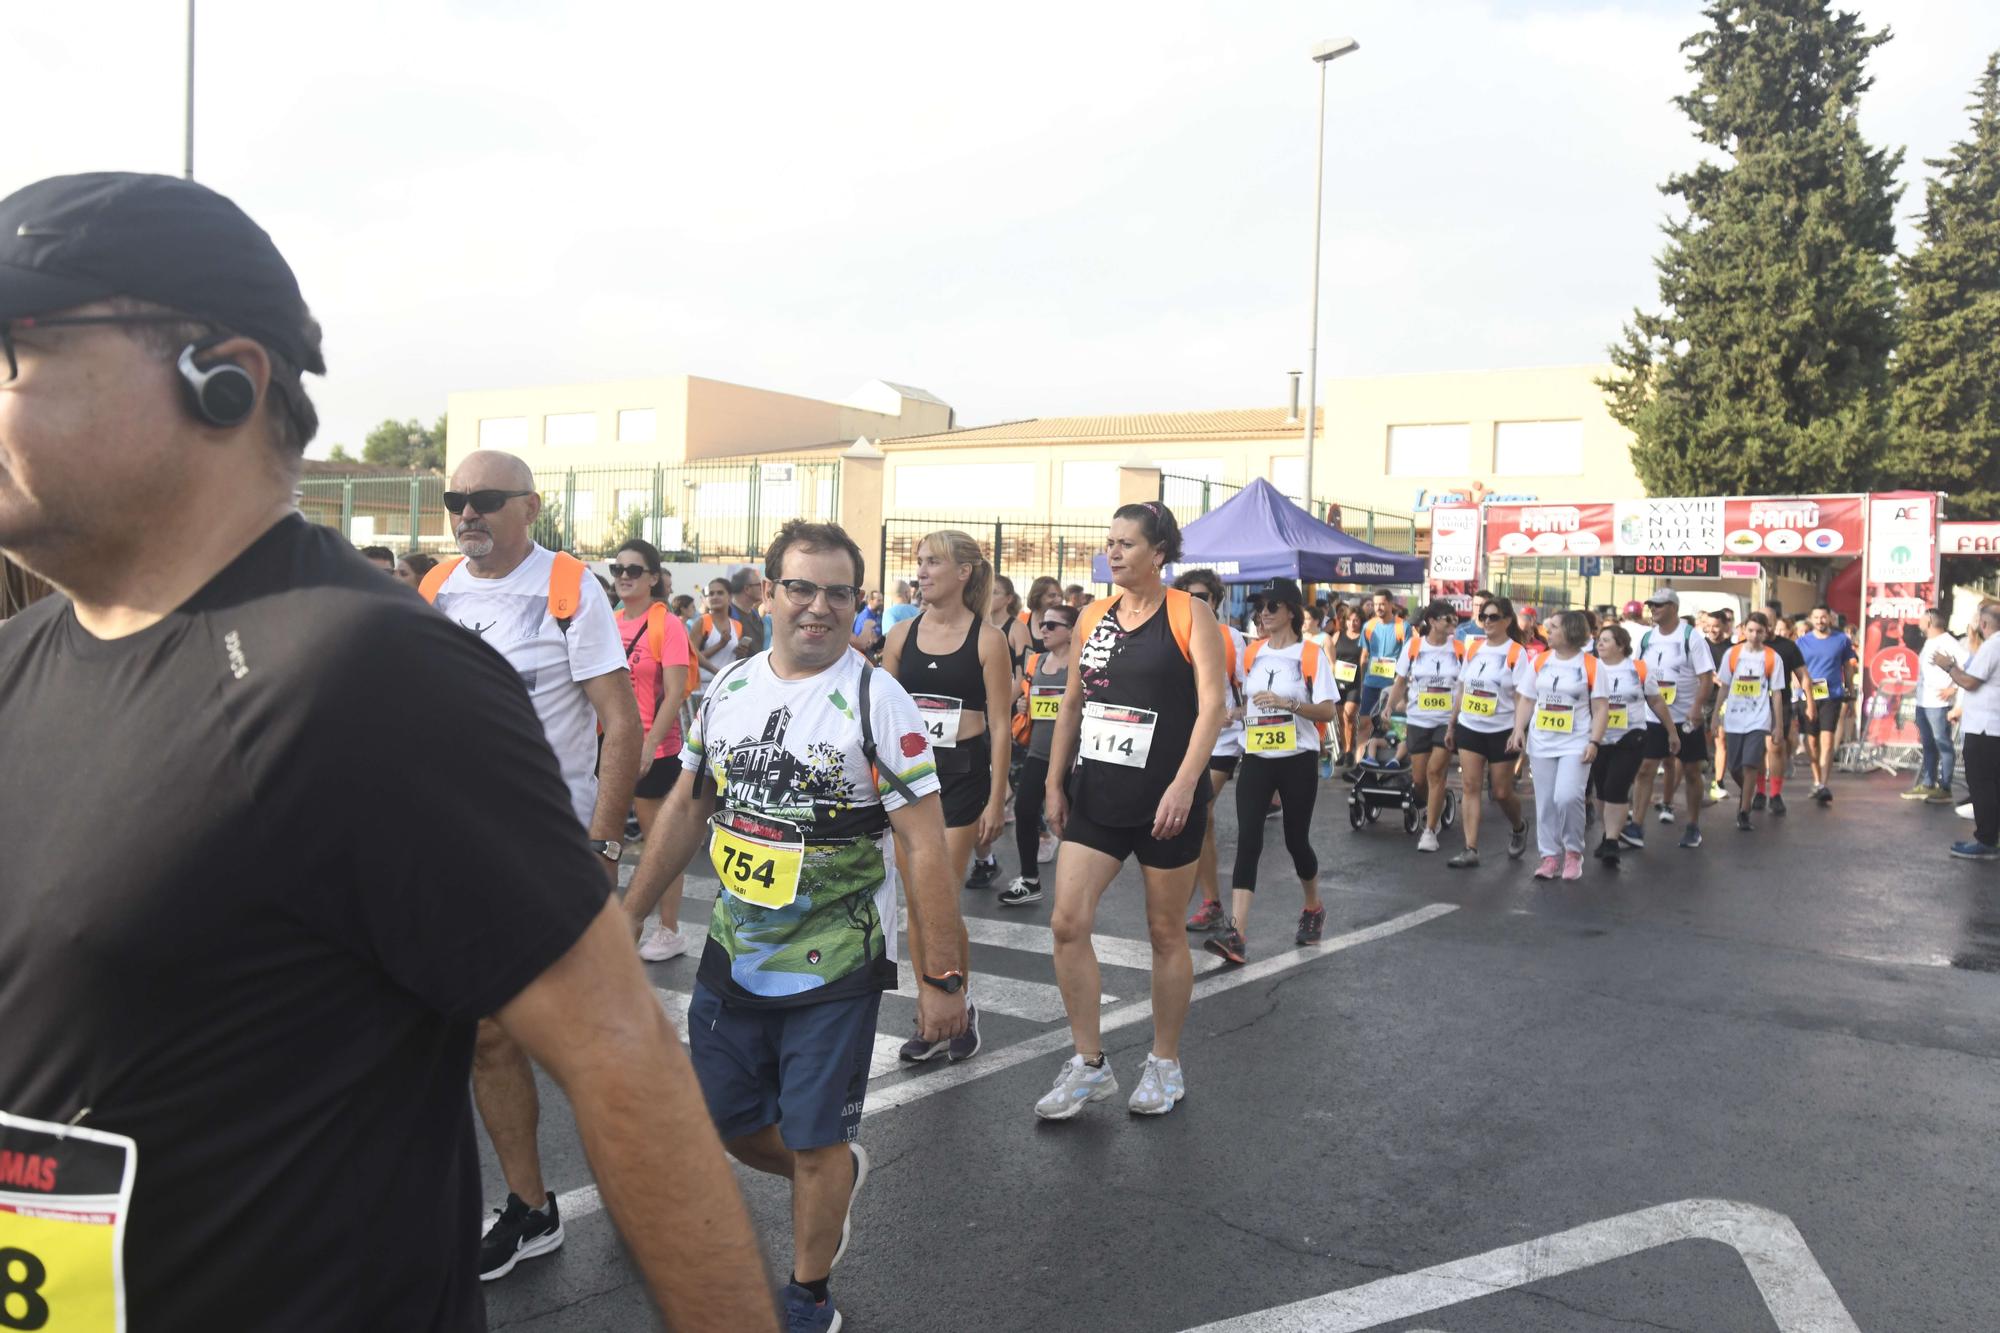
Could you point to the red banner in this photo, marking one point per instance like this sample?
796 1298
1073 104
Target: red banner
1812 525
1549 529
1825 525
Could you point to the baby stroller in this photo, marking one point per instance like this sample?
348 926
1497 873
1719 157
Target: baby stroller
1384 783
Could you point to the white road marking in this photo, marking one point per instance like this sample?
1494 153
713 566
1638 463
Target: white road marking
1795 1288
1036 1001
585 1200
1112 949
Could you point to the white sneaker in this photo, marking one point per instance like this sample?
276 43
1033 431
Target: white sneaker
1666 813
663 944
1161 1084
1427 841
1964 811
1047 851
1076 1085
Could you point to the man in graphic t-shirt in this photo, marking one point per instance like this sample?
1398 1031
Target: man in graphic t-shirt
1679 658
804 761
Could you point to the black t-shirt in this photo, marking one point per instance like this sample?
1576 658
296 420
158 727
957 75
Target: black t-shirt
265 864
1143 668
1791 659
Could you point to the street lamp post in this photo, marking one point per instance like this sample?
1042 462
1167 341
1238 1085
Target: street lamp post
1323 55
187 160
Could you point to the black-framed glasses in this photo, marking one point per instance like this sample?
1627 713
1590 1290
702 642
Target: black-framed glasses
801 592
629 571
1488 616
1048 625
8 328
480 502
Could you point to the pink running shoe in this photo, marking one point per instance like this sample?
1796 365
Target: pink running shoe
1547 869
1572 865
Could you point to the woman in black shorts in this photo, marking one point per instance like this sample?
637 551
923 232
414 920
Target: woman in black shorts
1635 705
1482 735
1349 653
1139 719
956 668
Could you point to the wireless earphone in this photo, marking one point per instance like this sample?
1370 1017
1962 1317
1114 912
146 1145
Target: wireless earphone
221 395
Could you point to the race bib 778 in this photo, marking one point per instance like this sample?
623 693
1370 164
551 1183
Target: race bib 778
65 1195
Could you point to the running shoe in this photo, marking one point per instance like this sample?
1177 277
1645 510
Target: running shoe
1777 804
663 944
1046 852
1161 1084
916 1050
1311 922
1549 868
1939 796
1743 821
1757 801
1607 851
1427 841
1465 860
982 874
1692 837
1226 944
1633 834
1972 850
1714 794
1666 813
1076 1085
966 1044
1963 811
1207 917
853 1193
1572 865
518 1232
1920 792
1020 893
805 1314
1517 841
1823 794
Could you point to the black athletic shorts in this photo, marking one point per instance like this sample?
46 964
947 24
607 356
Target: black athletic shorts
1694 744
1826 717
1224 764
659 779
1138 841
964 793
1617 764
1488 745
1422 740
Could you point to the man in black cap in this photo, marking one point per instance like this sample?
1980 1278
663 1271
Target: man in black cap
237 997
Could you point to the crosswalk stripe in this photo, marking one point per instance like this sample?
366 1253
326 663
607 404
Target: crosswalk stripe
885 1060
1036 1001
1113 949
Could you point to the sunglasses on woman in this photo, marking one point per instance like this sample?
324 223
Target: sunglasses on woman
629 571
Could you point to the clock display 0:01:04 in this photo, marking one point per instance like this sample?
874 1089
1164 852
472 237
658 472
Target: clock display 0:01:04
1686 566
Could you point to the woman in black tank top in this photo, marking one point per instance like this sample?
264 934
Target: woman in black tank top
1127 777
957 668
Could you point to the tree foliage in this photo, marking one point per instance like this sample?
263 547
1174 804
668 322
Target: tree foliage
1766 370
1946 433
406 444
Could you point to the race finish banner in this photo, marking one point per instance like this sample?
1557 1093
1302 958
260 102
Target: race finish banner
1895 534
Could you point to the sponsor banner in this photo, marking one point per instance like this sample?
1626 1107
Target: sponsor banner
1808 525
1548 529
1454 568
1742 569
1969 539
1893 616
1902 533
1668 527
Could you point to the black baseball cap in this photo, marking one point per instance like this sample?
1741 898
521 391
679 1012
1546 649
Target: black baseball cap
69 240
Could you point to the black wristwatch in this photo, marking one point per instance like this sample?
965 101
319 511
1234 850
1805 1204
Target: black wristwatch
610 849
951 983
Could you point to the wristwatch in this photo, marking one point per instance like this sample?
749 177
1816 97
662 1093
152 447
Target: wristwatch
610 849
951 983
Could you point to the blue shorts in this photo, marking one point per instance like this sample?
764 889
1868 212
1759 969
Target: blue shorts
803 1069
1372 696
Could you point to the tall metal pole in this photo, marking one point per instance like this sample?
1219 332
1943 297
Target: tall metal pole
1312 351
187 162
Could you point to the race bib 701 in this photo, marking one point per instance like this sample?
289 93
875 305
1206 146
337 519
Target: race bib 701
65 1194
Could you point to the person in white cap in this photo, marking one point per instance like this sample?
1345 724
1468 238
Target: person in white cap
1680 659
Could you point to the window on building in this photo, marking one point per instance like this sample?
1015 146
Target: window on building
936 486
1538 449
637 425
1288 474
1430 451
503 433
569 428
1090 486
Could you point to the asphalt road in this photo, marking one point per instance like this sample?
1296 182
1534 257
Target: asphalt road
1750 1087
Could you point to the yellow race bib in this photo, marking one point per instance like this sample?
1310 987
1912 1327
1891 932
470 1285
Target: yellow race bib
1271 733
1434 701
1667 693
1044 702
1477 703
1820 690
1549 718
64 1196
1382 669
758 859
1345 672
1748 687
1615 719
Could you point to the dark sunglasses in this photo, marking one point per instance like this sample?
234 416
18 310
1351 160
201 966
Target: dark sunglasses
629 571
480 502
1048 625
801 592
1485 616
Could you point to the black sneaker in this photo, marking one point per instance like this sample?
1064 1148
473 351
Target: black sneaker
1777 805
1311 922
519 1232
966 1044
1227 945
1020 893
982 874
1742 821
1607 851
1757 801
1824 795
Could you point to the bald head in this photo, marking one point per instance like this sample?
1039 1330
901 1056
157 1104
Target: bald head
495 532
492 470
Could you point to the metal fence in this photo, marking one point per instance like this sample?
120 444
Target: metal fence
1023 552
694 511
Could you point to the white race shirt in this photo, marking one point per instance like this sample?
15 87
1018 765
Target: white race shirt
1745 669
1931 681
1627 694
1560 690
1488 679
1677 658
1229 741
1277 670
1433 671
1982 706
512 615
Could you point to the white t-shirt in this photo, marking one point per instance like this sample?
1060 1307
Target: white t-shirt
1561 692
718 648
1627 696
1678 658
1433 671
1487 679
1932 681
512 615
1982 706
1277 670
1229 741
1746 669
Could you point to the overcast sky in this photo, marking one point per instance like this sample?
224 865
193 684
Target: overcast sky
1030 211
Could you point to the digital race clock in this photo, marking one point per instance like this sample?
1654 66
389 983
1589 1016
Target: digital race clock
1668 566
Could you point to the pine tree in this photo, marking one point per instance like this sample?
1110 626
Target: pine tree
1766 372
1946 434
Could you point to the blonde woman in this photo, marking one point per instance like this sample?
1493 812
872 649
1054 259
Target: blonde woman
956 667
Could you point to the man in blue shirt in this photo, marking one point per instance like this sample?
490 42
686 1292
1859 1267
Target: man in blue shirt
1830 662
902 609
1472 629
1383 636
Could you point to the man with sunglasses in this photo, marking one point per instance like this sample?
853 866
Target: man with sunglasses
242 1014
804 762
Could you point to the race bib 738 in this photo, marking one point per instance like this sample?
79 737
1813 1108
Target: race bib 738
65 1195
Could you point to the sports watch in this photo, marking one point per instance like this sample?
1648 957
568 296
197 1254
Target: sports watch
610 849
951 983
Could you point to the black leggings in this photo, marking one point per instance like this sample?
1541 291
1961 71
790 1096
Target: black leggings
1616 765
1295 779
1028 794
